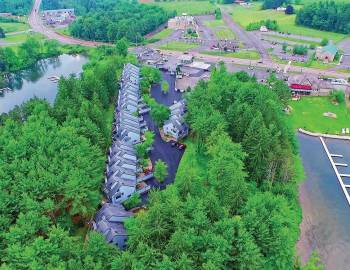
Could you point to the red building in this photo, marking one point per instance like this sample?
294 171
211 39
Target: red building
301 89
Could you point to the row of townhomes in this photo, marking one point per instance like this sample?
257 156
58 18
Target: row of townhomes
175 126
122 173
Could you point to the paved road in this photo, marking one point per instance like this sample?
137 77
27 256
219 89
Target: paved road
265 64
38 26
162 150
249 39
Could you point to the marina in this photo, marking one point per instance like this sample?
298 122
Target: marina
325 200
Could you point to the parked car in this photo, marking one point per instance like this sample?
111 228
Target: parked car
173 143
181 146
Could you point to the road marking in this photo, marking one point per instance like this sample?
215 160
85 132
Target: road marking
344 175
336 171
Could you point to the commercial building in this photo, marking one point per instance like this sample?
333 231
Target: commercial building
58 16
183 22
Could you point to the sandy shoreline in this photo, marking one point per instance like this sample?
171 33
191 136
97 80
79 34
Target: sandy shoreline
304 244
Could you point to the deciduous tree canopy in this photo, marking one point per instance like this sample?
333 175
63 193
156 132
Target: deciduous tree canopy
326 15
114 20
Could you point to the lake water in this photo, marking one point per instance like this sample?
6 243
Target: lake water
326 213
34 81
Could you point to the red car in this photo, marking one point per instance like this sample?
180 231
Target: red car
181 146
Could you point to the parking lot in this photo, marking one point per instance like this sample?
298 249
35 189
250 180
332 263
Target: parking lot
171 155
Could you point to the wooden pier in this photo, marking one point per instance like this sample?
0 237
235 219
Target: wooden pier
339 175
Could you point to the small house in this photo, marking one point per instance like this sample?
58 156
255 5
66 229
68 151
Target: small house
263 28
326 53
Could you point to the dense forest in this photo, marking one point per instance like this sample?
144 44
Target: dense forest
27 54
326 15
112 20
51 167
234 203
81 6
17 7
271 4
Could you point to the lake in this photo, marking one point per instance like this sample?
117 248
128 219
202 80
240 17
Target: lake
326 212
34 82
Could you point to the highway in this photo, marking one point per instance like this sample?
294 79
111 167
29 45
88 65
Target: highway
38 26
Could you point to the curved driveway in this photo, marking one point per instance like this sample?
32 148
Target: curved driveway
37 25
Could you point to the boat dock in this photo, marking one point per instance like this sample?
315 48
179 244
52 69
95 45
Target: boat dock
54 79
3 90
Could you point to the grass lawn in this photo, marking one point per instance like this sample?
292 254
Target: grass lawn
189 7
63 31
214 23
21 37
311 64
163 34
308 112
109 114
191 161
301 41
224 33
14 27
344 70
253 55
178 46
244 16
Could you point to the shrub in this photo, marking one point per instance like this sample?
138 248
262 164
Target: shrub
338 96
133 201
300 49
270 24
289 10
165 87
324 42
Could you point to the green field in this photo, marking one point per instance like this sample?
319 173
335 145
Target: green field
310 64
247 15
189 7
252 55
307 113
214 23
14 27
20 37
224 33
191 161
178 46
296 40
63 31
163 34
